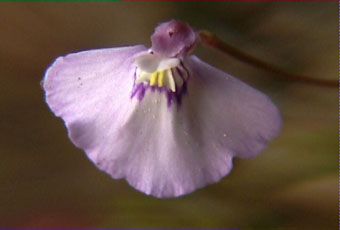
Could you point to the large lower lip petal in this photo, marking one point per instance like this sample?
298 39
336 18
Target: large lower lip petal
161 150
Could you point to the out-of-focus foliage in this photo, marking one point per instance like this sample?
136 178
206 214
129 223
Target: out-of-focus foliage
47 182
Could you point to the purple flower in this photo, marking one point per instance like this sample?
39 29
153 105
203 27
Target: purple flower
166 121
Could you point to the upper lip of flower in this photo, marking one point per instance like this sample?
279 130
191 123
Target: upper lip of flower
150 62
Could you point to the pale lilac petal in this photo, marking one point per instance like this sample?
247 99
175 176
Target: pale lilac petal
91 90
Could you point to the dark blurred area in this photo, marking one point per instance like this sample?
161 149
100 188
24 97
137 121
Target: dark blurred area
45 181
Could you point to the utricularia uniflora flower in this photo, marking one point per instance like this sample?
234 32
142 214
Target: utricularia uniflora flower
162 119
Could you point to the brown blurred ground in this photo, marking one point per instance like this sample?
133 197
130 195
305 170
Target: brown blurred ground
47 182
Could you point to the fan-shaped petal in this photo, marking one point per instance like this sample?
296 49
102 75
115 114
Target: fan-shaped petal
162 150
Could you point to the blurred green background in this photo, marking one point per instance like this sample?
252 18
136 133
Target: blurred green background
47 182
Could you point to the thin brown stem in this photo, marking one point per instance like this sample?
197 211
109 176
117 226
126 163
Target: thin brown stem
211 40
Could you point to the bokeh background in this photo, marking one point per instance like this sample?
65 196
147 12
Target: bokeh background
45 181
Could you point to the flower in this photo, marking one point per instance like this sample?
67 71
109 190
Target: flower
163 119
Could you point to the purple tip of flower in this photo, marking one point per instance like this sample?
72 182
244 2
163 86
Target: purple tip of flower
115 104
173 38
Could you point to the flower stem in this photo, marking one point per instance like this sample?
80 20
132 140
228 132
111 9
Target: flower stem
211 40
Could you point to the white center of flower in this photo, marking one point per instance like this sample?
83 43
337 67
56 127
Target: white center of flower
161 72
